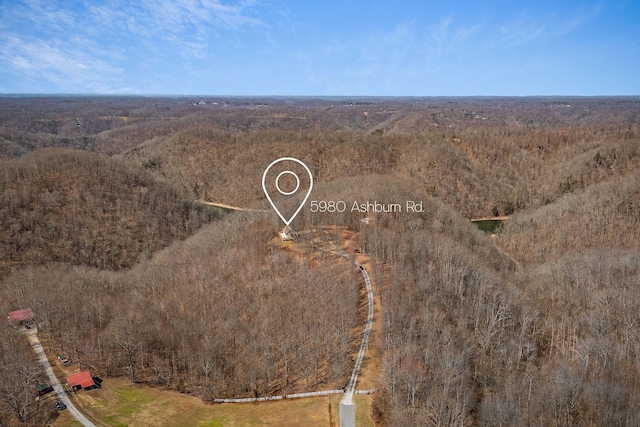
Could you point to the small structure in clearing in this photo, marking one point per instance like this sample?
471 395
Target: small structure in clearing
20 317
288 233
43 388
81 381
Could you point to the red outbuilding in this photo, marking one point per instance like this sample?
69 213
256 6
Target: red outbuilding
20 316
80 380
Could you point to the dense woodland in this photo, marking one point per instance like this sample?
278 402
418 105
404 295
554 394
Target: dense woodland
112 212
102 235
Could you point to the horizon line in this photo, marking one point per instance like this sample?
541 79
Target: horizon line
133 95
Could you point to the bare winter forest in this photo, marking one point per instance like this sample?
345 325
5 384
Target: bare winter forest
104 236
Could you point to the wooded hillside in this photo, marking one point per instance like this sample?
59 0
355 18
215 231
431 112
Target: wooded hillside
87 209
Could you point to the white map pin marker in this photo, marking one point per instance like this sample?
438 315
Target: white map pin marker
287 193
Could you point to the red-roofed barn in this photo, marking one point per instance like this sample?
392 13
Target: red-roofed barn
19 316
80 380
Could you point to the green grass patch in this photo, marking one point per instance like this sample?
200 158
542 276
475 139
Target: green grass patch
113 420
363 412
213 423
135 396
131 401
120 403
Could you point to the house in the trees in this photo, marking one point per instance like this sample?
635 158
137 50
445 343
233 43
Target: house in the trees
21 317
81 381
43 388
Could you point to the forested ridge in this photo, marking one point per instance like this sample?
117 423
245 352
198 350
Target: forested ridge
87 209
534 325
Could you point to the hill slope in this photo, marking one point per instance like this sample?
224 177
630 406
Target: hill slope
87 209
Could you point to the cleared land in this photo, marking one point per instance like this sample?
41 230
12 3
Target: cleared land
120 403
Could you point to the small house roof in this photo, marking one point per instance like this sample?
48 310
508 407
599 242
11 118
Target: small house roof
21 315
82 379
43 387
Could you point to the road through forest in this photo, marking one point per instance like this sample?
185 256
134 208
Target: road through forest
348 396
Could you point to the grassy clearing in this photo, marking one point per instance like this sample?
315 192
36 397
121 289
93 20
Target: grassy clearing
66 420
363 412
120 403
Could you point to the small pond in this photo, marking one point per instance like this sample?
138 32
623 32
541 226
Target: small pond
490 226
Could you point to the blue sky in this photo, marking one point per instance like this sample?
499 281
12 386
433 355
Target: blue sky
328 47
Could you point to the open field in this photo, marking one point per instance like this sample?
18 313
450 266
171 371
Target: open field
120 404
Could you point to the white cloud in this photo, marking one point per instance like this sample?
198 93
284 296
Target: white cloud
528 28
446 38
69 70
45 15
85 46
438 36
166 19
522 31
